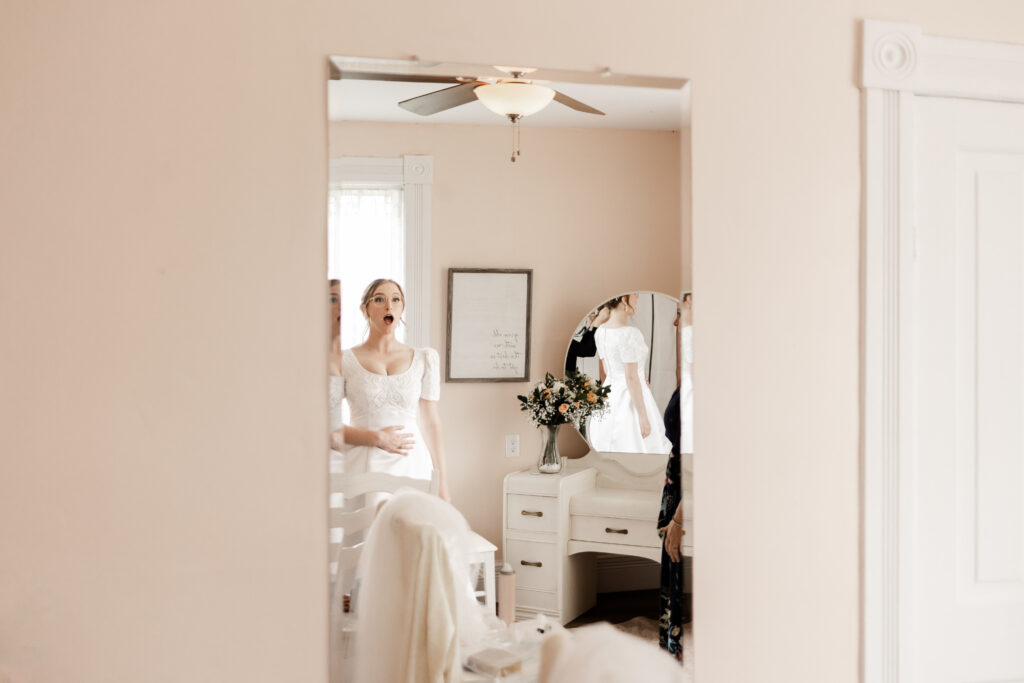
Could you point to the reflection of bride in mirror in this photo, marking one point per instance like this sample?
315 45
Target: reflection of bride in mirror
336 382
392 391
626 427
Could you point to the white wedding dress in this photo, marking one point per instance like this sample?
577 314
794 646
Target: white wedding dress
617 429
376 401
336 395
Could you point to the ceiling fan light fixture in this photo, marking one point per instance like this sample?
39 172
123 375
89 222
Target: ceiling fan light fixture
514 98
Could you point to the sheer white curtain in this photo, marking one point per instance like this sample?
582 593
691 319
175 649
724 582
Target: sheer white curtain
366 240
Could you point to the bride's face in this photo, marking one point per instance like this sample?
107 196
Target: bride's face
335 310
385 307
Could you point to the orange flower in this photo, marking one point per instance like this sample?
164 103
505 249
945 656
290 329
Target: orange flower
546 394
591 397
564 407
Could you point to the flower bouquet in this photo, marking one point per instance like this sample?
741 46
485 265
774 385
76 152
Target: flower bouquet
555 402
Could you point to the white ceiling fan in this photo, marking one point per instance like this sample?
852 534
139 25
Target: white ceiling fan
373 86
513 97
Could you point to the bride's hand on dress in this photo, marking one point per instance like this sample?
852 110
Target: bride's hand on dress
645 427
393 441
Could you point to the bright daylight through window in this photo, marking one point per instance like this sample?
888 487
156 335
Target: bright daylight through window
366 230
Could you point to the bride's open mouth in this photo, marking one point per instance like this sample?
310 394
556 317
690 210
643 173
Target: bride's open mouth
389 319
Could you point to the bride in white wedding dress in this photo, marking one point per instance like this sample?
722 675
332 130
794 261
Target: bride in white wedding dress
626 426
336 382
392 390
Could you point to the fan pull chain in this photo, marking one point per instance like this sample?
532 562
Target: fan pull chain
515 140
515 136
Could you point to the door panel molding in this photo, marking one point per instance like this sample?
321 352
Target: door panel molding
899 64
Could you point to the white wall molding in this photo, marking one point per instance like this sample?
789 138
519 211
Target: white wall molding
418 176
887 247
898 64
415 174
899 57
890 56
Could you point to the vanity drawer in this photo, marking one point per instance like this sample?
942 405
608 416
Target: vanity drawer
536 600
615 530
535 564
532 513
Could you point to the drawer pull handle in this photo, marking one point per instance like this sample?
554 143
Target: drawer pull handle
531 564
609 530
531 513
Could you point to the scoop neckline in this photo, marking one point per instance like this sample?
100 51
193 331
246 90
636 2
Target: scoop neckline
378 374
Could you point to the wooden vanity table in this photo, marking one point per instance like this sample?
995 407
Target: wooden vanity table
555 524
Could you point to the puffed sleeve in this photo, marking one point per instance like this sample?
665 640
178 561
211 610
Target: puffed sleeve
342 382
431 389
688 344
634 350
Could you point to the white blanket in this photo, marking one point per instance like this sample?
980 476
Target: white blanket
414 595
600 653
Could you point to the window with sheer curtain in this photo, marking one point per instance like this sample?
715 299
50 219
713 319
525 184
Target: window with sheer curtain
379 226
366 234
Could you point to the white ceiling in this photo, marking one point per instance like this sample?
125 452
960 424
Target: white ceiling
625 107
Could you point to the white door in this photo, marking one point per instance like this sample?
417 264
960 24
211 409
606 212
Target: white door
962 583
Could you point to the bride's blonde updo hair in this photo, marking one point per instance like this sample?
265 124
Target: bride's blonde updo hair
372 287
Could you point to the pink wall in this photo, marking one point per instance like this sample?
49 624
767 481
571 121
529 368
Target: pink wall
162 379
162 373
593 212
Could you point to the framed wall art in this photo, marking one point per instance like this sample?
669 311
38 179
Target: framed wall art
489 324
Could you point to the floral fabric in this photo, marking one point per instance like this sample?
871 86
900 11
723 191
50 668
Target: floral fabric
673 608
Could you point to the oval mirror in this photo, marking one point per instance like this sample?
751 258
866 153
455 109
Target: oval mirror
632 343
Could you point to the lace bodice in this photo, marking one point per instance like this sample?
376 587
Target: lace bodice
337 394
620 345
377 400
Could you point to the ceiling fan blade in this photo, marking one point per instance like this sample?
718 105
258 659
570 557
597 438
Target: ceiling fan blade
380 76
439 100
576 104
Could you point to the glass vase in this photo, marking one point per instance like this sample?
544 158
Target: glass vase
550 462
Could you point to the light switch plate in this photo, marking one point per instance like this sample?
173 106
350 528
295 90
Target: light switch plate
511 445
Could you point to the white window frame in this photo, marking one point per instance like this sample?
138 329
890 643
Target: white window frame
415 174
